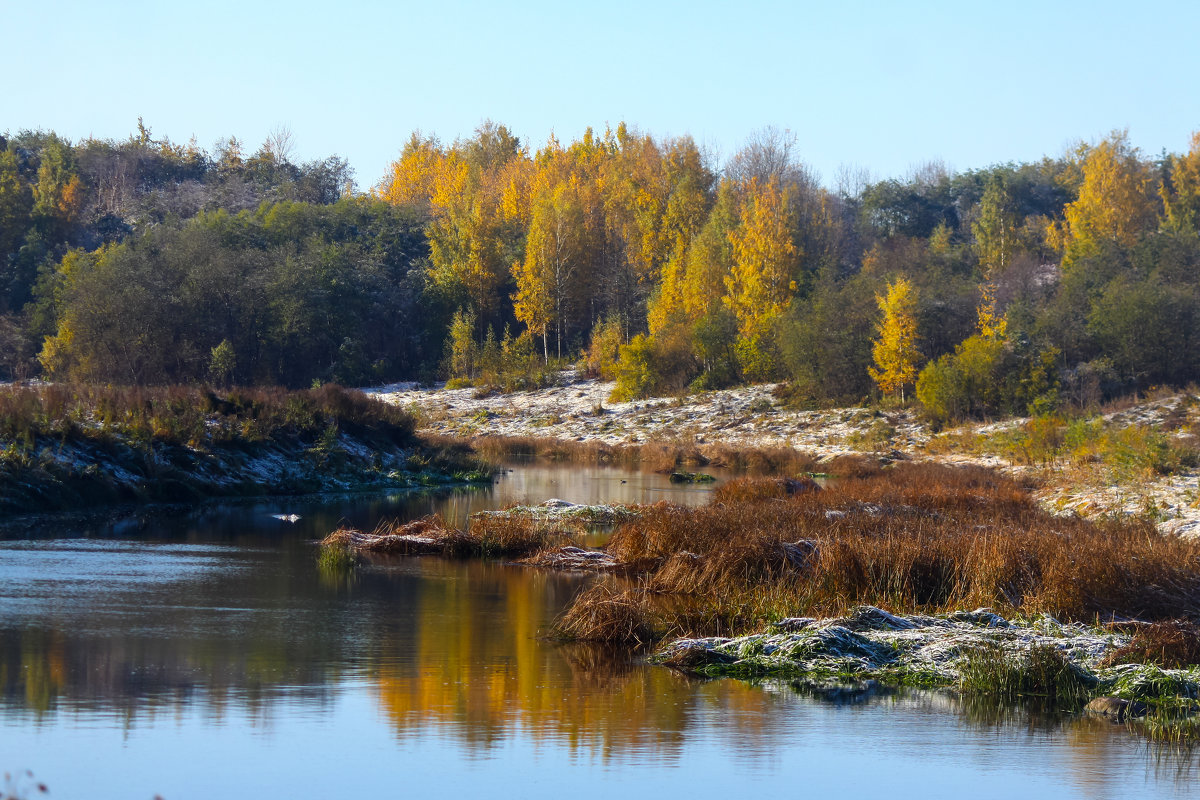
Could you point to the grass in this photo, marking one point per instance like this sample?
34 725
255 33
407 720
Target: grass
489 536
914 537
1127 450
1172 644
608 614
1042 672
192 415
657 456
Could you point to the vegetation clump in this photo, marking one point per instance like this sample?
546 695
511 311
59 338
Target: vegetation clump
1041 671
918 537
537 532
1169 644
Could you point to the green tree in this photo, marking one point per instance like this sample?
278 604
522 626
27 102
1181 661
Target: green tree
1180 191
16 200
222 363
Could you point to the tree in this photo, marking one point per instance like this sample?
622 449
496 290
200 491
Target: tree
710 257
994 241
553 253
1180 191
222 363
895 351
762 280
15 204
1114 205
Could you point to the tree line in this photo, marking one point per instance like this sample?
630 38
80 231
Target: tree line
1008 288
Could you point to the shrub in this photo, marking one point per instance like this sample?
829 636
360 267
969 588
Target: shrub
604 349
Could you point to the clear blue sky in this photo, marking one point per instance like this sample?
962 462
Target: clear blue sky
884 86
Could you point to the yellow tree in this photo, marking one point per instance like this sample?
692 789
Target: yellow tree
686 212
475 195
1115 204
58 192
553 252
762 280
710 256
895 349
411 178
1181 191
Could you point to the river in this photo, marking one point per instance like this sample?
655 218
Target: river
202 653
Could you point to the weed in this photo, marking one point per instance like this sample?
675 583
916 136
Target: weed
1041 671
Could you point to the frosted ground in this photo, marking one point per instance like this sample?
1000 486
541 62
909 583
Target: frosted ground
579 409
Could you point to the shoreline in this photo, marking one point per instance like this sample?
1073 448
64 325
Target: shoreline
578 411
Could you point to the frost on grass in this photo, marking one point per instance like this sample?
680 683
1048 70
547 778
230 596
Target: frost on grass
931 650
561 511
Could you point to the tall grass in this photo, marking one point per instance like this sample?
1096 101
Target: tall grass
1127 450
1041 671
488 536
915 537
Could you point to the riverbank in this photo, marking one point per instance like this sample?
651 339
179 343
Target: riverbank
65 448
1139 459
983 589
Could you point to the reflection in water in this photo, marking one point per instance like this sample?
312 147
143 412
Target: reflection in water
211 652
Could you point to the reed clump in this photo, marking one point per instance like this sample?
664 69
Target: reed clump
1171 644
609 614
487 537
1041 671
913 537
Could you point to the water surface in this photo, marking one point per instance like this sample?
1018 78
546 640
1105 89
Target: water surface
203 654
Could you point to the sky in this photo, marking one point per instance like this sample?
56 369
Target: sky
877 86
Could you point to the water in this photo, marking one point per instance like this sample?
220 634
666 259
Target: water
203 654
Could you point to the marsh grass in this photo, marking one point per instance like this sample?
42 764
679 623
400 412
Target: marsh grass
1042 672
1173 723
487 537
656 456
913 537
1126 450
608 613
1171 644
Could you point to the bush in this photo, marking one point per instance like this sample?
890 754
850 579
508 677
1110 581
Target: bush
605 349
654 366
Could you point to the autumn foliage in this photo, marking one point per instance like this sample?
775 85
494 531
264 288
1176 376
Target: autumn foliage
1014 288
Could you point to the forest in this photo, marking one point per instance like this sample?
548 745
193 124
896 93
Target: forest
1014 288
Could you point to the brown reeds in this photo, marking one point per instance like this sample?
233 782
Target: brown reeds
424 536
607 613
655 456
513 535
914 537
489 536
1171 644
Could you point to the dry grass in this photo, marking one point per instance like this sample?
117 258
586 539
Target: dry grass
489 536
748 490
656 456
609 614
1171 644
424 536
193 415
915 537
